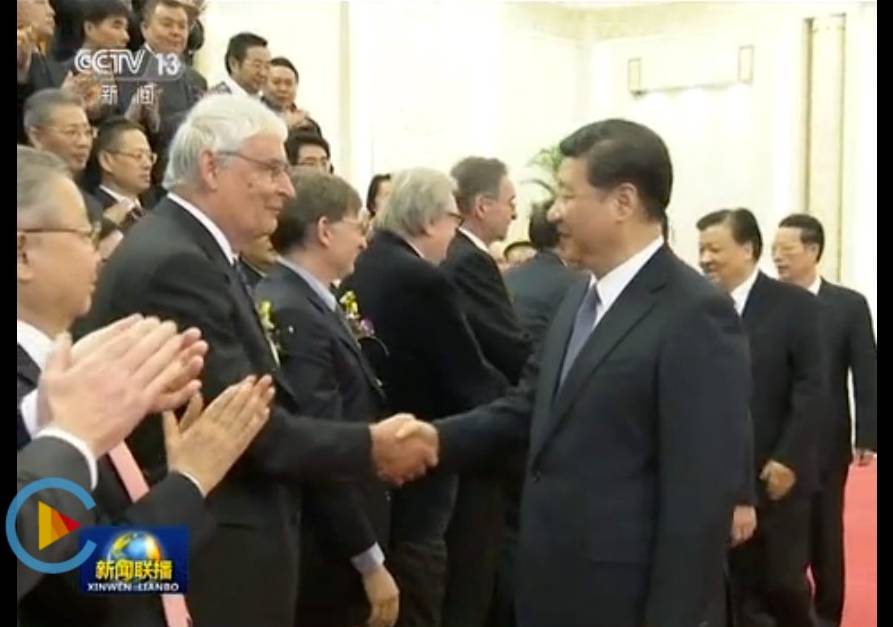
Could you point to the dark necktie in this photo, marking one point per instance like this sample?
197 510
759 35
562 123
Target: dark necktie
584 324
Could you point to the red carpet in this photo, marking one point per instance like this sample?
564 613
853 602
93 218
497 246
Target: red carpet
860 520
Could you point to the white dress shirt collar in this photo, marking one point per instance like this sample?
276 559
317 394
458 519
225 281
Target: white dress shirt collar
816 285
477 241
134 202
209 225
612 284
235 88
35 342
741 293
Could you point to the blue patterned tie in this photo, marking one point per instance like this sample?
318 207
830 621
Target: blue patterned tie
584 323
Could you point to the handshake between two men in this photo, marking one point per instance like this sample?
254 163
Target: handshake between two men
403 448
102 387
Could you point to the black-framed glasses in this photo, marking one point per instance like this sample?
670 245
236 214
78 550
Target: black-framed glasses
274 167
91 235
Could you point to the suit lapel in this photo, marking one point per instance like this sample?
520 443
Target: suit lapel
755 307
554 347
244 304
631 307
338 327
25 366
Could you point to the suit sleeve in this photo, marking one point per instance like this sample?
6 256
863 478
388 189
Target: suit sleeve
42 458
863 361
468 379
796 445
491 315
309 368
190 290
501 426
704 385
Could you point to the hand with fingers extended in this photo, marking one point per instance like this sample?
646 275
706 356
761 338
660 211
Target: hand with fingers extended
204 445
403 448
103 386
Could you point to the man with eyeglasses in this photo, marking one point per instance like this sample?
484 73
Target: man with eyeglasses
228 181
122 162
345 532
56 122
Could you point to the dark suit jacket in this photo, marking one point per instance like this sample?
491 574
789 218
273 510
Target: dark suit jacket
487 307
331 379
169 265
252 275
48 457
850 346
787 360
56 599
537 288
635 460
434 366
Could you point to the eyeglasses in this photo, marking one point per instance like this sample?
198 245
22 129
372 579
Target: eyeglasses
274 168
360 226
140 155
456 216
91 235
75 132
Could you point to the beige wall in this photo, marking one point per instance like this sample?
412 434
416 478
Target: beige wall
397 84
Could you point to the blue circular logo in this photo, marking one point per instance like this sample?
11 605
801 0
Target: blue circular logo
52 483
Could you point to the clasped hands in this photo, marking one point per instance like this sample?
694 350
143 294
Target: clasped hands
403 448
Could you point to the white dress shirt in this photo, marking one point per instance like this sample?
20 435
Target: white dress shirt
611 286
816 285
209 225
477 241
38 347
236 89
134 202
741 293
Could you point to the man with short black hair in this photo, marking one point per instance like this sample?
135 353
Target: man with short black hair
309 150
767 566
851 347
247 64
635 412
280 94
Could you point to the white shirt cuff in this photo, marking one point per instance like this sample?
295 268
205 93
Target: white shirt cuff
76 442
198 486
369 560
29 413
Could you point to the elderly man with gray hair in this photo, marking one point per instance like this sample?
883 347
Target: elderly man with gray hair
433 367
228 179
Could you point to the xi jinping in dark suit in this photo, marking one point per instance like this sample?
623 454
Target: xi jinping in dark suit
635 410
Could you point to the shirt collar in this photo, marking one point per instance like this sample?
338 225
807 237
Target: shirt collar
816 285
612 284
235 88
324 292
35 342
741 293
118 196
209 225
477 241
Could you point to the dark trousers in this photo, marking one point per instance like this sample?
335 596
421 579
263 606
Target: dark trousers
420 514
826 552
474 541
768 572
